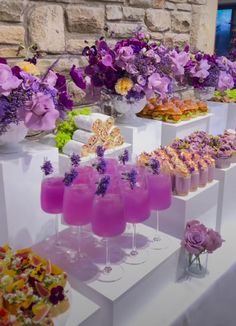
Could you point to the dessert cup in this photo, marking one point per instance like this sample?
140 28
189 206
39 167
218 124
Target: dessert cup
223 163
211 173
194 181
182 185
203 177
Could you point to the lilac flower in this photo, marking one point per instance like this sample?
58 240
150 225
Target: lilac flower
75 160
103 186
226 81
77 77
47 167
100 150
123 158
70 177
8 81
155 166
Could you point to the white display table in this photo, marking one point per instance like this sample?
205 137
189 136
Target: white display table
22 221
125 297
65 164
144 136
200 204
227 194
218 121
170 131
83 312
231 120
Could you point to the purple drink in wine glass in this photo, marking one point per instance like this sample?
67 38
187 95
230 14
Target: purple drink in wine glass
52 192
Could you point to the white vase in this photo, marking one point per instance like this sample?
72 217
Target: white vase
9 141
205 93
128 110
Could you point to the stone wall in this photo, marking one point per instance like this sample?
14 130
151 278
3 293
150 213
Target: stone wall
59 27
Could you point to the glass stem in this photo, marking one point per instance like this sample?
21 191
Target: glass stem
74 230
57 230
134 251
157 236
107 268
79 238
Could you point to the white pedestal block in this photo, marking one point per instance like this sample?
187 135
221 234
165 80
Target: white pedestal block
218 120
201 205
65 164
231 120
170 131
123 298
145 136
83 312
22 221
227 195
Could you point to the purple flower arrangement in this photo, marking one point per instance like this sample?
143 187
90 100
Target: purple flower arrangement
37 101
198 239
134 68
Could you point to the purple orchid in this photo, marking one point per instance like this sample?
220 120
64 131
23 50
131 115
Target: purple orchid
180 60
200 69
8 81
41 113
77 77
226 81
158 84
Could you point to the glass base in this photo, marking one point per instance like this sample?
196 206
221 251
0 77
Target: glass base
136 257
84 234
110 274
195 272
158 243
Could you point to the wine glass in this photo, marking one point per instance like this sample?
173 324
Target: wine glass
108 221
160 196
77 208
137 210
52 193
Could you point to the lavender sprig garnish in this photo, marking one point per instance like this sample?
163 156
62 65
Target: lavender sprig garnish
131 177
103 186
123 158
47 167
101 165
70 177
75 160
155 166
100 151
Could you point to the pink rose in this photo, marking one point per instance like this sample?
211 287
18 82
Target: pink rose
8 81
194 237
213 241
41 113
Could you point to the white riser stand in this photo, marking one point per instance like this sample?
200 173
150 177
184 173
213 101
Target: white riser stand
218 121
83 312
227 195
231 121
201 205
22 221
120 299
145 136
170 131
65 164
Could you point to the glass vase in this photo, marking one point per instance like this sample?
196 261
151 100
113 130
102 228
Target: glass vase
196 265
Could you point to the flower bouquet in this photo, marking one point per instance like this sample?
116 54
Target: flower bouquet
129 72
28 101
198 242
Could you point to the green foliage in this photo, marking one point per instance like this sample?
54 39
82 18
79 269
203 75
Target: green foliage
66 128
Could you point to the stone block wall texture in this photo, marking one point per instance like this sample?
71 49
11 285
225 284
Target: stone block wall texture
60 27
